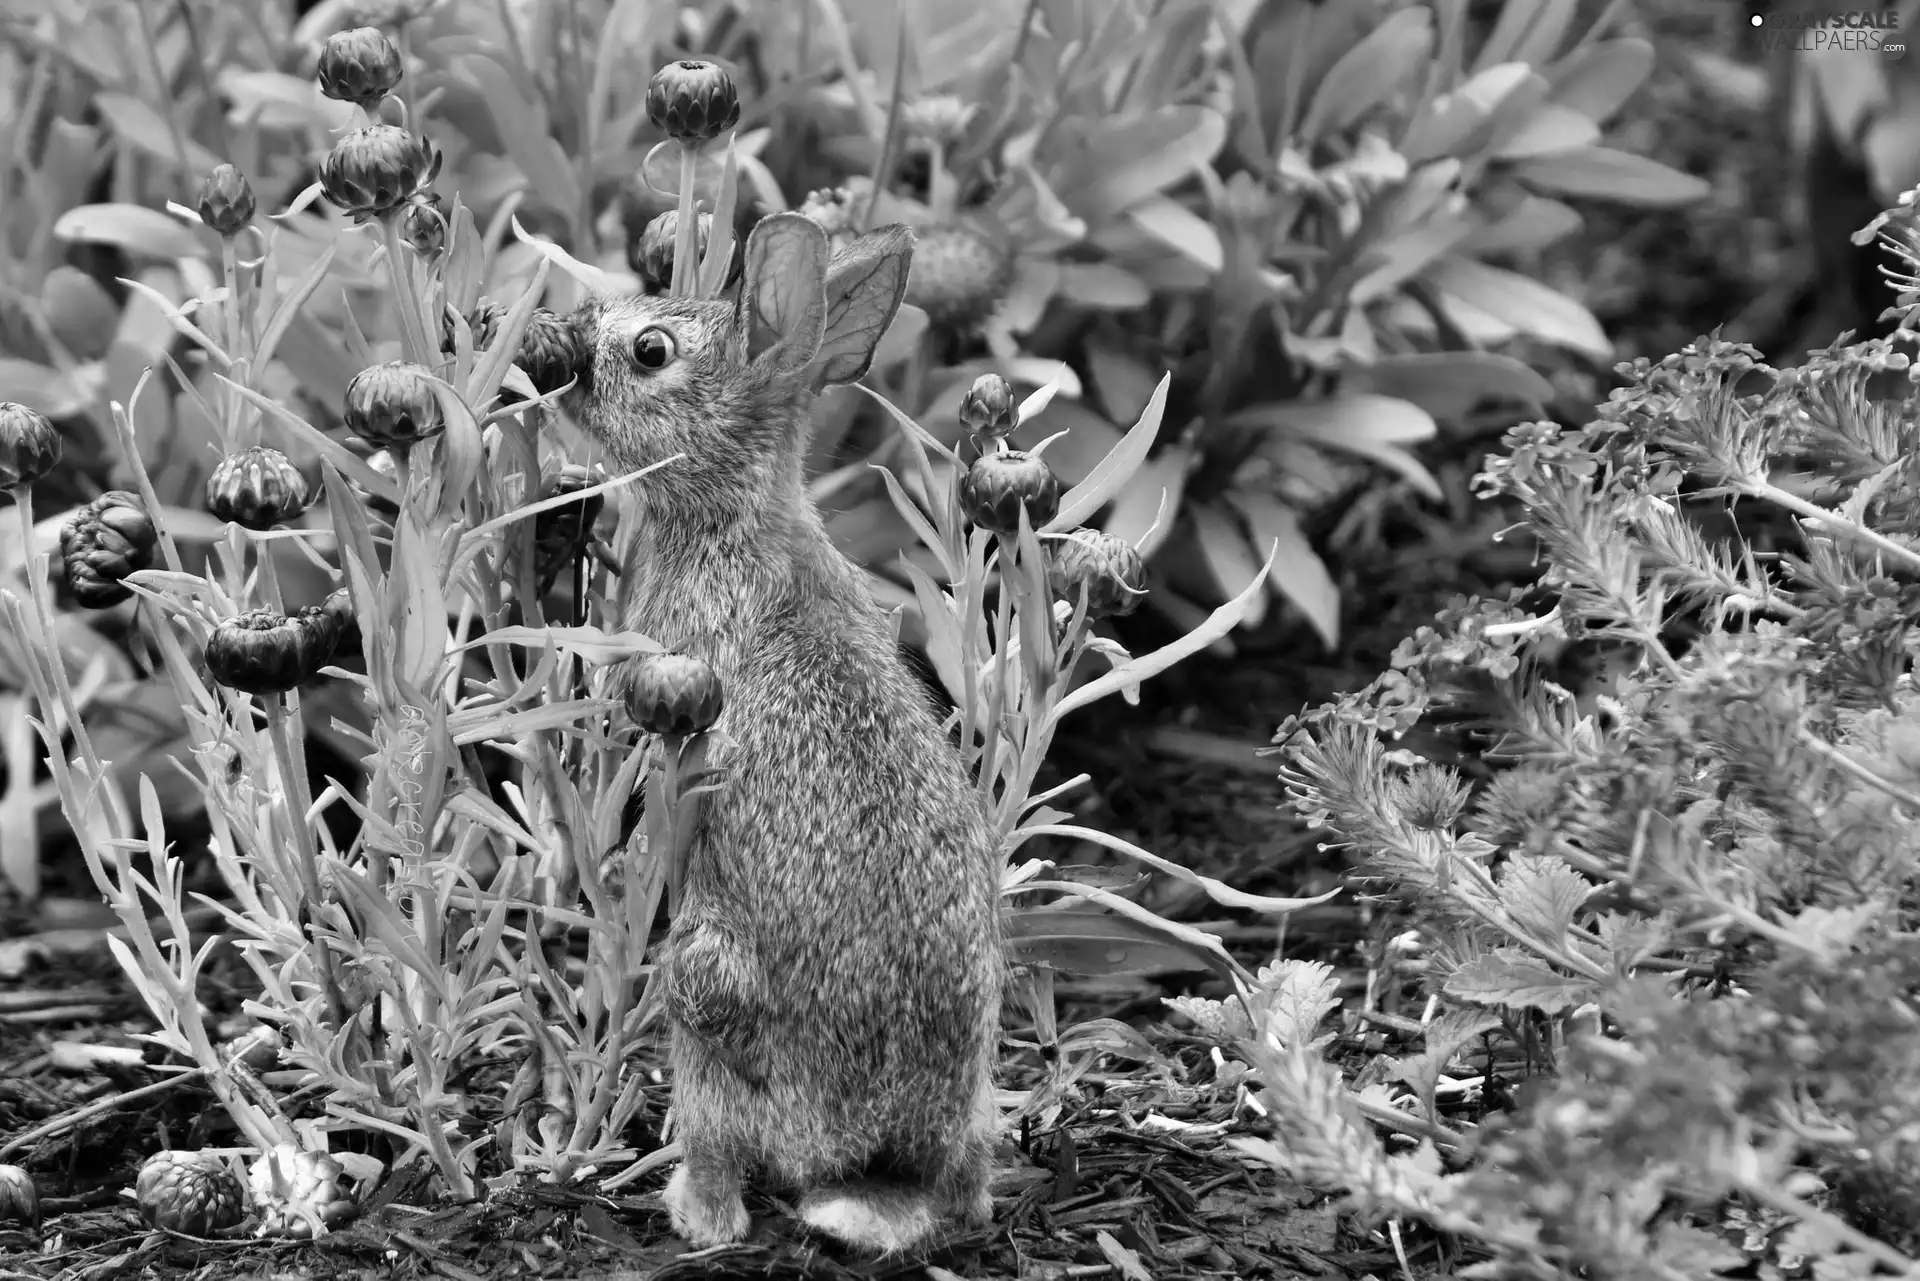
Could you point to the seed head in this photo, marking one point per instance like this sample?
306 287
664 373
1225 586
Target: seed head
188 1192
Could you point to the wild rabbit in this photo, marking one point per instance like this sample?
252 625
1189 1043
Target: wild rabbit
833 980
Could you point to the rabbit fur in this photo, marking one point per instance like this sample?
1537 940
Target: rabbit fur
833 981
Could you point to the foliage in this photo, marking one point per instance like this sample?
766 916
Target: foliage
1686 895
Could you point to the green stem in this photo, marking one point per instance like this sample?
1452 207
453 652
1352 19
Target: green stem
413 336
1832 521
44 613
1005 667
686 239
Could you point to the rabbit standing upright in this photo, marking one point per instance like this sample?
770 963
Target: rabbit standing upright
833 981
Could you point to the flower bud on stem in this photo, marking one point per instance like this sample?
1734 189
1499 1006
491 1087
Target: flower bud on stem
673 809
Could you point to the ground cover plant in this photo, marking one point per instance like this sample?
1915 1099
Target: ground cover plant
315 655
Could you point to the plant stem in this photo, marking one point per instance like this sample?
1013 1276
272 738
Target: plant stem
686 232
418 348
1004 669
43 612
1831 520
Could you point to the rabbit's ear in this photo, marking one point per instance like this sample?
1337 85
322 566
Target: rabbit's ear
783 302
865 283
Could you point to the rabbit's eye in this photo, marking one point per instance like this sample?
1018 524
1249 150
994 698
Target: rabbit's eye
654 348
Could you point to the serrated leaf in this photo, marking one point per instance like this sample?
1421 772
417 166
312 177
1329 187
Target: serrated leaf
1601 173
1542 894
1512 978
134 228
1296 997
1445 1038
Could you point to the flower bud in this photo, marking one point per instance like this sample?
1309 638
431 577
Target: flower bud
103 542
988 408
550 351
651 256
29 445
375 170
423 223
692 102
320 636
481 323
393 405
258 488
19 1198
1104 568
226 202
940 118
360 66
188 1192
348 642
673 694
262 652
999 484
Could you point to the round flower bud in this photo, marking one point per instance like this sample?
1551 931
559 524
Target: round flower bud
188 1192
360 66
673 694
423 223
998 485
651 256
29 445
550 351
481 323
959 275
375 170
348 642
258 488
261 652
393 405
1105 568
292 1188
692 101
103 542
19 1198
988 408
226 201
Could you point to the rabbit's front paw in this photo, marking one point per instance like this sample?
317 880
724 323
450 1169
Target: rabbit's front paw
705 1207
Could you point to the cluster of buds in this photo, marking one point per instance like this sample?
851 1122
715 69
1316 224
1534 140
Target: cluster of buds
257 488
264 651
673 695
102 543
188 1192
1104 571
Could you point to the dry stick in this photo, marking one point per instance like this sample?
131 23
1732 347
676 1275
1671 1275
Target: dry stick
68 1120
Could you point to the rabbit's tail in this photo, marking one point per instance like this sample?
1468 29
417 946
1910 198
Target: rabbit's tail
878 1216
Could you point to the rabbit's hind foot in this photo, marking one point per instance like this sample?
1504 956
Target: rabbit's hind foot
871 1215
703 1200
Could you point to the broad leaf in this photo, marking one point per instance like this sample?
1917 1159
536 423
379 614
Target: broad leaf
1549 128
1598 80
134 228
1520 302
1370 72
1532 224
1510 977
1295 568
1361 423
1448 384
1233 565
1601 173
138 125
1121 160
